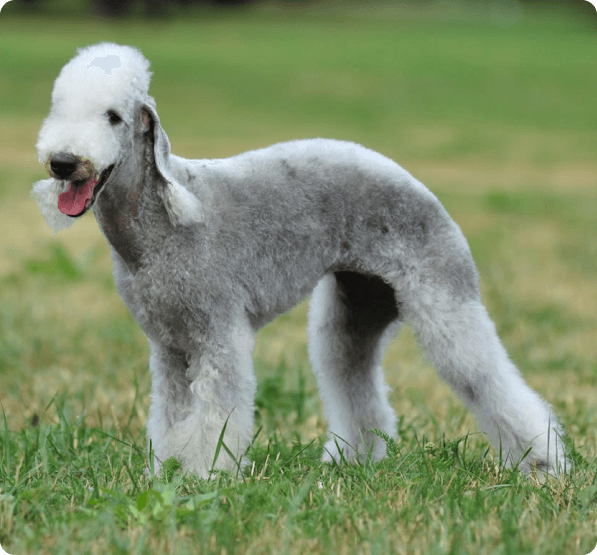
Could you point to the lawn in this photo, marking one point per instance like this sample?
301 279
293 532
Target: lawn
497 120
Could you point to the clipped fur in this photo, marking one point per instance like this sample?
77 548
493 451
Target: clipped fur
207 251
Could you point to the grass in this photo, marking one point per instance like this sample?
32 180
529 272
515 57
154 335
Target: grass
495 120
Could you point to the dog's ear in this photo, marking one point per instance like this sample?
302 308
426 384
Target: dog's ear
183 207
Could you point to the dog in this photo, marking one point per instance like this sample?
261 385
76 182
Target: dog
206 252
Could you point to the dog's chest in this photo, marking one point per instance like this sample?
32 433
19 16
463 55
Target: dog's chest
161 303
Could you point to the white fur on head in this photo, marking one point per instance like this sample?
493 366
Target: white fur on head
99 78
46 193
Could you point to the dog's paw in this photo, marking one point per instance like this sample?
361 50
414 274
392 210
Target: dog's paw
338 450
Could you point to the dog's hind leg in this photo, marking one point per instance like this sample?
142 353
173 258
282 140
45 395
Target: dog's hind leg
198 396
352 318
460 340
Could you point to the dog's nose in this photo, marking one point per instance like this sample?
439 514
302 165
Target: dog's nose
63 164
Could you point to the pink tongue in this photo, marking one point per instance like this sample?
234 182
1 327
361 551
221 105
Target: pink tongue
74 200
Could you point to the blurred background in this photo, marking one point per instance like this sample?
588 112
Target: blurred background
490 103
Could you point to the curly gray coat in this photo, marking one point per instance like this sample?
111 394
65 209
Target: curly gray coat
207 251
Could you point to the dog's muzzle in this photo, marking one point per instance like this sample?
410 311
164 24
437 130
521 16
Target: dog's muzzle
83 182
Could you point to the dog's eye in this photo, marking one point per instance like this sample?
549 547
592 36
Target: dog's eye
114 118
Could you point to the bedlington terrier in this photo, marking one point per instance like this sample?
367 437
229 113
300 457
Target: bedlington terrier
207 251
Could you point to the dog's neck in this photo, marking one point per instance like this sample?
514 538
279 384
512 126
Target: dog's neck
129 211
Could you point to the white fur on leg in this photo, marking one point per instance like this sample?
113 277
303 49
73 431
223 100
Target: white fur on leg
183 425
45 193
355 398
191 405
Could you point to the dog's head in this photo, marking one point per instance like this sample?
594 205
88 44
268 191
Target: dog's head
100 101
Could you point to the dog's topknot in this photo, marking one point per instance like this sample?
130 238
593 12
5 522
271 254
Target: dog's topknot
100 78
117 68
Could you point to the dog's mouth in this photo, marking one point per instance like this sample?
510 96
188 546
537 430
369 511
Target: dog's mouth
80 195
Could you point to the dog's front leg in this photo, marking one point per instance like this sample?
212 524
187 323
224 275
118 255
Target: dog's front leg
195 397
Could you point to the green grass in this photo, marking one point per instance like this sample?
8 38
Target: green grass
495 120
71 486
